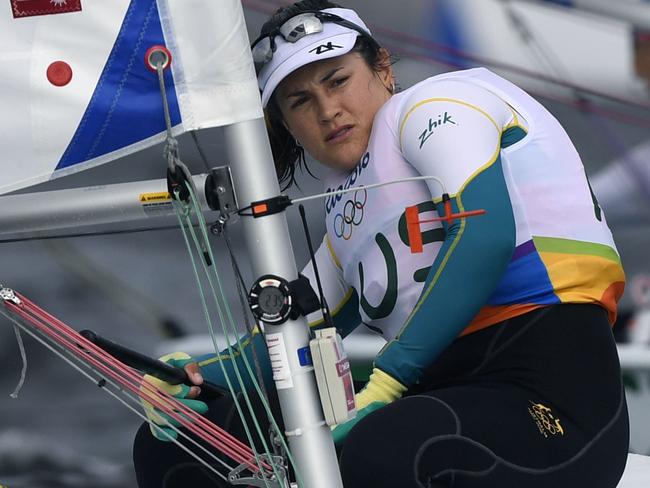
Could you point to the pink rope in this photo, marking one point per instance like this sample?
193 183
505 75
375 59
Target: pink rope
134 382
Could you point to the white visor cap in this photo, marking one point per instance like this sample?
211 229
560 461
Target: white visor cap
334 40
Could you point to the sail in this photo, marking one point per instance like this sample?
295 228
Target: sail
635 12
590 50
75 91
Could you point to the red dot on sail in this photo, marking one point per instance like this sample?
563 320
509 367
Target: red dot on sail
59 73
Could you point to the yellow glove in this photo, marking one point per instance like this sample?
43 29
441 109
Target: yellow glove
160 422
380 390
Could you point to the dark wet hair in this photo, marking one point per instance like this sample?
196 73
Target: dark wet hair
287 154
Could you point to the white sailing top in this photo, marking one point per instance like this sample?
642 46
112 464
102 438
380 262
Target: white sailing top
543 239
453 126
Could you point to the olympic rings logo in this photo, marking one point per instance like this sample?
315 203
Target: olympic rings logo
351 215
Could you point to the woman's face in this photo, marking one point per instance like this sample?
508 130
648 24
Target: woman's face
329 107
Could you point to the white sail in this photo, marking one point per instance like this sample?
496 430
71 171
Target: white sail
636 12
75 91
583 48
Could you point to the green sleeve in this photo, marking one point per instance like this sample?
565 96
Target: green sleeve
471 262
212 366
345 317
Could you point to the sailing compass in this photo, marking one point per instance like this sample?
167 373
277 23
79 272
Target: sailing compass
270 299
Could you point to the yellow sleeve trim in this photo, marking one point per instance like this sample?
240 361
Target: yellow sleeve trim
223 357
332 253
492 160
439 271
516 122
513 125
494 157
336 309
452 100
451 249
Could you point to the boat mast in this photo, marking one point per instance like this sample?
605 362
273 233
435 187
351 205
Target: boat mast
269 247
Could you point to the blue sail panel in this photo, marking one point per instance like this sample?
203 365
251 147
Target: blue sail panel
126 106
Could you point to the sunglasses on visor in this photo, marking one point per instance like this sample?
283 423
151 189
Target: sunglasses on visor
295 29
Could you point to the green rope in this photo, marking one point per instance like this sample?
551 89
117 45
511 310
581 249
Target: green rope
183 215
185 212
204 232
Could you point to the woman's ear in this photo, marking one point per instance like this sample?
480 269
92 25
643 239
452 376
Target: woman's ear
386 70
286 126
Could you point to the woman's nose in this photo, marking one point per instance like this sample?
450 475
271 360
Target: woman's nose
329 109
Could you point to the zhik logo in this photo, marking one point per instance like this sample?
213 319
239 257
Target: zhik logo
433 124
323 48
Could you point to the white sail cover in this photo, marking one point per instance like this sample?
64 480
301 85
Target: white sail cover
75 91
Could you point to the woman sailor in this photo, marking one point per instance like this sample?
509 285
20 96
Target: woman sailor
500 368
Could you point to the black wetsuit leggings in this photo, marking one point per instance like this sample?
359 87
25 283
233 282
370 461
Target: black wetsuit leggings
533 402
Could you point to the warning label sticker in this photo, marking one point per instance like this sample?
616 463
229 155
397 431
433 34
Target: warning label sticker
156 204
161 196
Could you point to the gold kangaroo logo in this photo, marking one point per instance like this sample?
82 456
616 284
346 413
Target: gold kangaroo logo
546 421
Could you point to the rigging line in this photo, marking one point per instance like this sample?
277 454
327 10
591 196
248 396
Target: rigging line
115 396
135 410
130 299
525 33
368 187
203 228
215 296
429 58
158 398
205 309
183 213
174 164
229 382
411 40
544 54
215 275
163 92
199 148
260 385
149 396
162 396
74 342
630 162
424 43
241 285
23 369
88 234
614 114
324 307
274 429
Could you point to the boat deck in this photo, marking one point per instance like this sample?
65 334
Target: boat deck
637 472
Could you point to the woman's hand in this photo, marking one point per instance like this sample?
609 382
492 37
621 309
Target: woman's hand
380 390
159 422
